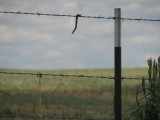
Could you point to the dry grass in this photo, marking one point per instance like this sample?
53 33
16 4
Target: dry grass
87 97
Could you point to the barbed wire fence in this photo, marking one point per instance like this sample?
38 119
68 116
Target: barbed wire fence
79 15
66 75
40 75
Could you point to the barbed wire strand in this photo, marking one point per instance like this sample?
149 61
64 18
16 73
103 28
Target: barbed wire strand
65 75
57 15
64 15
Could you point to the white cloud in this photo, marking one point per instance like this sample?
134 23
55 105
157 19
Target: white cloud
53 54
133 6
70 5
4 33
13 35
155 10
3 28
145 39
101 28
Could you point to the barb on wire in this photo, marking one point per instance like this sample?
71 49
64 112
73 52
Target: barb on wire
64 75
39 75
63 15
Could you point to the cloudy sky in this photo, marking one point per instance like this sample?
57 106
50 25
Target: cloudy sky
43 42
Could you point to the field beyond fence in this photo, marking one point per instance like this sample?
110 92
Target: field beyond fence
66 97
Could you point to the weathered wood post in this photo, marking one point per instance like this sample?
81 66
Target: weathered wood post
117 59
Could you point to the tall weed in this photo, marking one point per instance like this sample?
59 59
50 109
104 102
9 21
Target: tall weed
147 106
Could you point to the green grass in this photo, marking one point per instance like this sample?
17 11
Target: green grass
85 97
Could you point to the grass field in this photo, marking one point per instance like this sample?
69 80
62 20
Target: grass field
66 96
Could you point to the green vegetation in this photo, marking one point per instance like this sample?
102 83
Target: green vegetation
147 105
66 96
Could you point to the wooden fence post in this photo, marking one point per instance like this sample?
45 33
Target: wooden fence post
117 59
